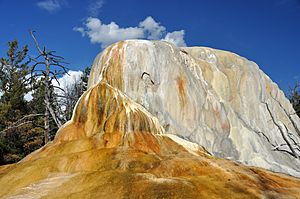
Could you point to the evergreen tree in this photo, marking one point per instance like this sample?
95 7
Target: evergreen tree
13 87
85 78
13 84
22 123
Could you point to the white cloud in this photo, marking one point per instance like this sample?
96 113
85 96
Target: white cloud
106 34
94 7
68 80
64 82
80 29
152 28
51 5
28 96
176 37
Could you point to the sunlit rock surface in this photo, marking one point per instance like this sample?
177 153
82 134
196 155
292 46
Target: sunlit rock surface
211 97
122 139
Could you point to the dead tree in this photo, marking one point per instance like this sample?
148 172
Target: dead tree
294 97
27 119
289 141
282 131
50 67
289 115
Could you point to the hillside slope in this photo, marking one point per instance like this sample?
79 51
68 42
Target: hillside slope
130 134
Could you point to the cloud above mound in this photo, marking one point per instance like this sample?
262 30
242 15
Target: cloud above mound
51 5
68 80
106 34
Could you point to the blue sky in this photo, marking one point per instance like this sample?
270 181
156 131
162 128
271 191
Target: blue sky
264 31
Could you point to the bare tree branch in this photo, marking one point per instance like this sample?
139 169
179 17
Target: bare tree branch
36 43
57 87
289 116
20 122
16 126
281 131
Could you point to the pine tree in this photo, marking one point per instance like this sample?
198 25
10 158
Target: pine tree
13 84
13 107
85 77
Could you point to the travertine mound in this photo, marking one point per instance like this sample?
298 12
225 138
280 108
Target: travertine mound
118 144
211 97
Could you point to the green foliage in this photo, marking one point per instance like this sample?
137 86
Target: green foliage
85 76
37 106
17 142
13 86
5 148
13 106
14 69
37 102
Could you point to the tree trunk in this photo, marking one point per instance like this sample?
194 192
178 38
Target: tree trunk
46 119
47 104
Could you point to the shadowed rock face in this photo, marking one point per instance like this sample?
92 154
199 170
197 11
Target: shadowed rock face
118 143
